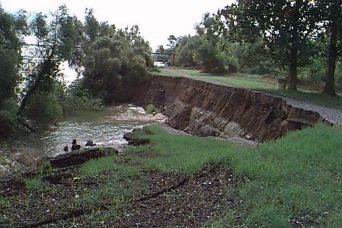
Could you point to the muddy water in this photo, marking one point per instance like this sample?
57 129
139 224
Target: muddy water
105 128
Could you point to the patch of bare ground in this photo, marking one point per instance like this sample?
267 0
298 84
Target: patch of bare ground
169 199
180 200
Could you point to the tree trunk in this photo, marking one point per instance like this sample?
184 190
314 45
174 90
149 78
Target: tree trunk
292 74
293 55
329 87
46 69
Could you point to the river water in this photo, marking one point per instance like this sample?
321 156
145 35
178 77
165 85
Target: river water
104 128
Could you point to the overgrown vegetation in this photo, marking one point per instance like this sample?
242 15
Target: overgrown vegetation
35 184
77 98
112 62
294 180
116 190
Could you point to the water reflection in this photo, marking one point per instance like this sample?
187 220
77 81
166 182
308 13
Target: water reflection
104 128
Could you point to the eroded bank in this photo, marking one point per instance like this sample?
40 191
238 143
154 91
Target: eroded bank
206 109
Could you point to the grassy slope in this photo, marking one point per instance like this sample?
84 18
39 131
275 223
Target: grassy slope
296 178
259 83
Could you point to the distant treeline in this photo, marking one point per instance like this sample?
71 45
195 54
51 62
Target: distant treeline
287 39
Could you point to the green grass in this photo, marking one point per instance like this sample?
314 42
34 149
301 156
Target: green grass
164 72
182 153
35 184
96 166
114 192
296 178
4 202
238 79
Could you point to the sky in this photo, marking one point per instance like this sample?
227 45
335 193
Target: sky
157 19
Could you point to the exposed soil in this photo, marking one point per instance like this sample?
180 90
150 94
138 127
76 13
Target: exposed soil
169 199
192 203
212 109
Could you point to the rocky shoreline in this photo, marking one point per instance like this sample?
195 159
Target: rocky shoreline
12 162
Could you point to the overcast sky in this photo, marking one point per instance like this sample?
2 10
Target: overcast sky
157 19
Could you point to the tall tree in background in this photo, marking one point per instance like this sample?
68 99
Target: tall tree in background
334 22
172 41
286 27
55 39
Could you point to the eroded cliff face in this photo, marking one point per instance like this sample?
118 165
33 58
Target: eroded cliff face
207 109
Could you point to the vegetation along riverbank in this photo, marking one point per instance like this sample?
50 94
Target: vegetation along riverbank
186 180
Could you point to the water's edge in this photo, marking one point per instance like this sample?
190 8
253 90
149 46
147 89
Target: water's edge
105 128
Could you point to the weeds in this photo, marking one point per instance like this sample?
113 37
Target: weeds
35 184
294 180
114 193
182 153
4 202
96 166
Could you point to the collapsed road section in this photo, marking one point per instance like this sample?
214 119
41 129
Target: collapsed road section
207 109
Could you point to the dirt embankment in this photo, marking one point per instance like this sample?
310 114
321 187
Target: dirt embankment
207 109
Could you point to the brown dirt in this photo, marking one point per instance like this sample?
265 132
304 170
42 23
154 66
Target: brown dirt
195 202
170 199
260 116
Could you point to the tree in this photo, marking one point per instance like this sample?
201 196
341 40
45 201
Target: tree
334 18
160 49
285 26
10 53
11 29
114 61
91 25
186 51
172 41
55 42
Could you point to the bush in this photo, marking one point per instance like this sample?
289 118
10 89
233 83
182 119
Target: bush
44 107
338 75
35 184
73 103
252 58
8 117
115 64
315 71
208 56
76 98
